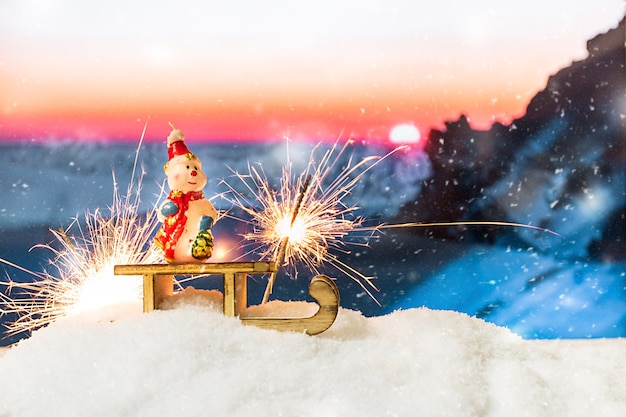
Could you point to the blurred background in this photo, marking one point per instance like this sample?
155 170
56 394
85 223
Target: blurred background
510 112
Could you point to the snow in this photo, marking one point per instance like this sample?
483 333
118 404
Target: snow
191 360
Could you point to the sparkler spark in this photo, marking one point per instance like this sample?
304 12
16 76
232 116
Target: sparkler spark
85 279
307 221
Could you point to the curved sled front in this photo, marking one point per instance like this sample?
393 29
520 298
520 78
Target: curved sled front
325 292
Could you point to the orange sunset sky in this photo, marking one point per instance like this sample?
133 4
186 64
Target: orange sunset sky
243 70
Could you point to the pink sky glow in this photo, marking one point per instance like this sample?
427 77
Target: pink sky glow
262 71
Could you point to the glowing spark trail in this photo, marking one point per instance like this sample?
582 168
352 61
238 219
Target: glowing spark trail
469 223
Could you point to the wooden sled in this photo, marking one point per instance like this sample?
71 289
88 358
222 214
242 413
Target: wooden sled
158 283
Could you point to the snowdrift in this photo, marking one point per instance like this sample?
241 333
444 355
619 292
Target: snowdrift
191 360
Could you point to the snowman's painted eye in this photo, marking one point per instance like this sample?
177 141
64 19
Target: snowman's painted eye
187 166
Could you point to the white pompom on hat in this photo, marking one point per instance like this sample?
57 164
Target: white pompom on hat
176 146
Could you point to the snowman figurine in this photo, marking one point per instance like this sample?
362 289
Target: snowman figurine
185 235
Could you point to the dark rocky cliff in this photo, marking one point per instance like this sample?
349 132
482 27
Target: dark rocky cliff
547 168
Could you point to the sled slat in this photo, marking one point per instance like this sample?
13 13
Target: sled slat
158 280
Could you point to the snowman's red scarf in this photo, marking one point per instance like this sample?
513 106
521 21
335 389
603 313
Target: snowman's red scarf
174 225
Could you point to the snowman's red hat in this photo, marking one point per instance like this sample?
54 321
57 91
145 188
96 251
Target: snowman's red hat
176 147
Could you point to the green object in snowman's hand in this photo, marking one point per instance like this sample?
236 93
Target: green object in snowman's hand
202 246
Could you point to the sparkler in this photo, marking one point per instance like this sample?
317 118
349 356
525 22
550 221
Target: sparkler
84 263
308 220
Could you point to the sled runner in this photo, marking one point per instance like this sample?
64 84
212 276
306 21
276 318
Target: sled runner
158 283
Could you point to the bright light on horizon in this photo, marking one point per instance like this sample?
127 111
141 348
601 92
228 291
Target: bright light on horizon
404 134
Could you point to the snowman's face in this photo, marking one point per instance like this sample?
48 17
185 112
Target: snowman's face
185 175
